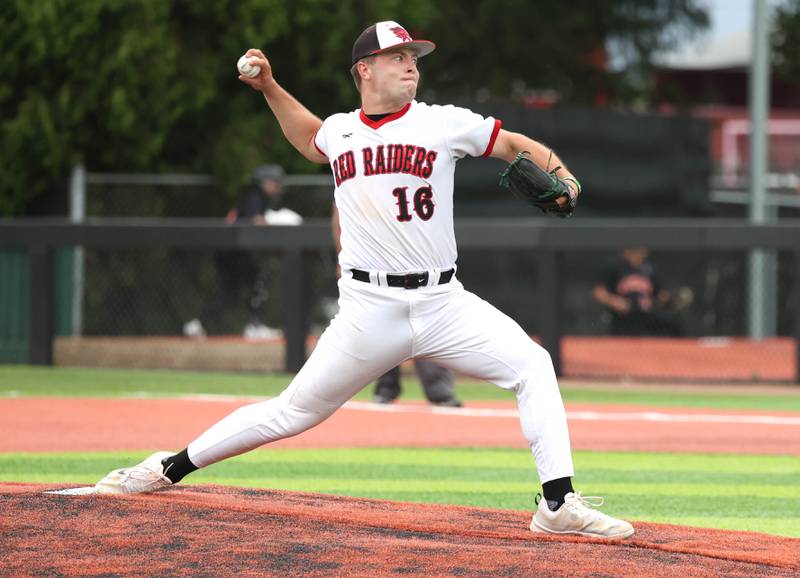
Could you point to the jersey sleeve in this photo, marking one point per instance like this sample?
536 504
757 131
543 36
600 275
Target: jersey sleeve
469 133
320 140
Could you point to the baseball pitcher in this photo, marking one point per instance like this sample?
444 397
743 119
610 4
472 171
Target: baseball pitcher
393 160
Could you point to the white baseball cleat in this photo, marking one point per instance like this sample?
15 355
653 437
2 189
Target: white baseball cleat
142 478
578 516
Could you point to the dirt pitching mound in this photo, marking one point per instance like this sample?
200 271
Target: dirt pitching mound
220 531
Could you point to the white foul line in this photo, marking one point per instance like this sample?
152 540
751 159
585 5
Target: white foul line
647 416
685 418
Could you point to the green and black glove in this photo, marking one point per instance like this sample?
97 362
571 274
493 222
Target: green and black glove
539 188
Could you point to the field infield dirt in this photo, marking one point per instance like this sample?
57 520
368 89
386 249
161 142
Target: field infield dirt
219 531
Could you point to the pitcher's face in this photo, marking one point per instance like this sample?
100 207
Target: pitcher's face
395 75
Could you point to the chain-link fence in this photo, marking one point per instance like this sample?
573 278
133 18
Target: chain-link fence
145 291
683 315
695 326
156 291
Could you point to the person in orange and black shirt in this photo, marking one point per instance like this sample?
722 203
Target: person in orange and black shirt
634 296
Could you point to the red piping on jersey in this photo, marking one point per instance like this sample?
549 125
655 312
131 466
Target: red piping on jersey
378 124
314 140
495 131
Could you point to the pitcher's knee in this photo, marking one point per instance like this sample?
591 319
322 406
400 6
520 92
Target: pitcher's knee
535 370
538 358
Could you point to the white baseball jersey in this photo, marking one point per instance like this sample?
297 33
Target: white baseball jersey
394 183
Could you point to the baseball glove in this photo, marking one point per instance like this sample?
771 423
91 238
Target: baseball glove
540 188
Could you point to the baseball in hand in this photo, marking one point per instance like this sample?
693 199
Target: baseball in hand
246 68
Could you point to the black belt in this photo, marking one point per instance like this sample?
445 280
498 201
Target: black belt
410 281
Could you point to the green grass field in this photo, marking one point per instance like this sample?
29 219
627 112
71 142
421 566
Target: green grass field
741 492
73 382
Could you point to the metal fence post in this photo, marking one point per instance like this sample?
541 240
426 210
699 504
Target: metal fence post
42 306
77 214
549 297
294 321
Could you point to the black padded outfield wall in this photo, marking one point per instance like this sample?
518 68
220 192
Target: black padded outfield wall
628 164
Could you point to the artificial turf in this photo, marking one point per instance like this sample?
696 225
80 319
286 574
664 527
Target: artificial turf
757 493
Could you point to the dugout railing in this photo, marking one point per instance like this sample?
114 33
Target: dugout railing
548 238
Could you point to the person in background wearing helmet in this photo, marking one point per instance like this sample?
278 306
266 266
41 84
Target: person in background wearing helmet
239 273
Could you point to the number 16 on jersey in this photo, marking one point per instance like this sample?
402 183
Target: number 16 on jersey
422 201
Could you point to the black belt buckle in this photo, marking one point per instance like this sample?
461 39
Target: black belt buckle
410 281
415 280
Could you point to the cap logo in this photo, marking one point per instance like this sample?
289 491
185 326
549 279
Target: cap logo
401 33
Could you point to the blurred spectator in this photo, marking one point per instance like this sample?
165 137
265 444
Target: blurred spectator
437 381
634 296
239 273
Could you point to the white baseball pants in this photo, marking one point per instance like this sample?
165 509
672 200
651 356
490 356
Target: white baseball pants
377 328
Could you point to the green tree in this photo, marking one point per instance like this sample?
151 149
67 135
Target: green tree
511 46
150 85
786 41
76 83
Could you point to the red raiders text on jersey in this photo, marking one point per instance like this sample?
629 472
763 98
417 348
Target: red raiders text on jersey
395 158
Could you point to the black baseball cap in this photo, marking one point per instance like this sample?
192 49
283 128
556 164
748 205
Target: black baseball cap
384 36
